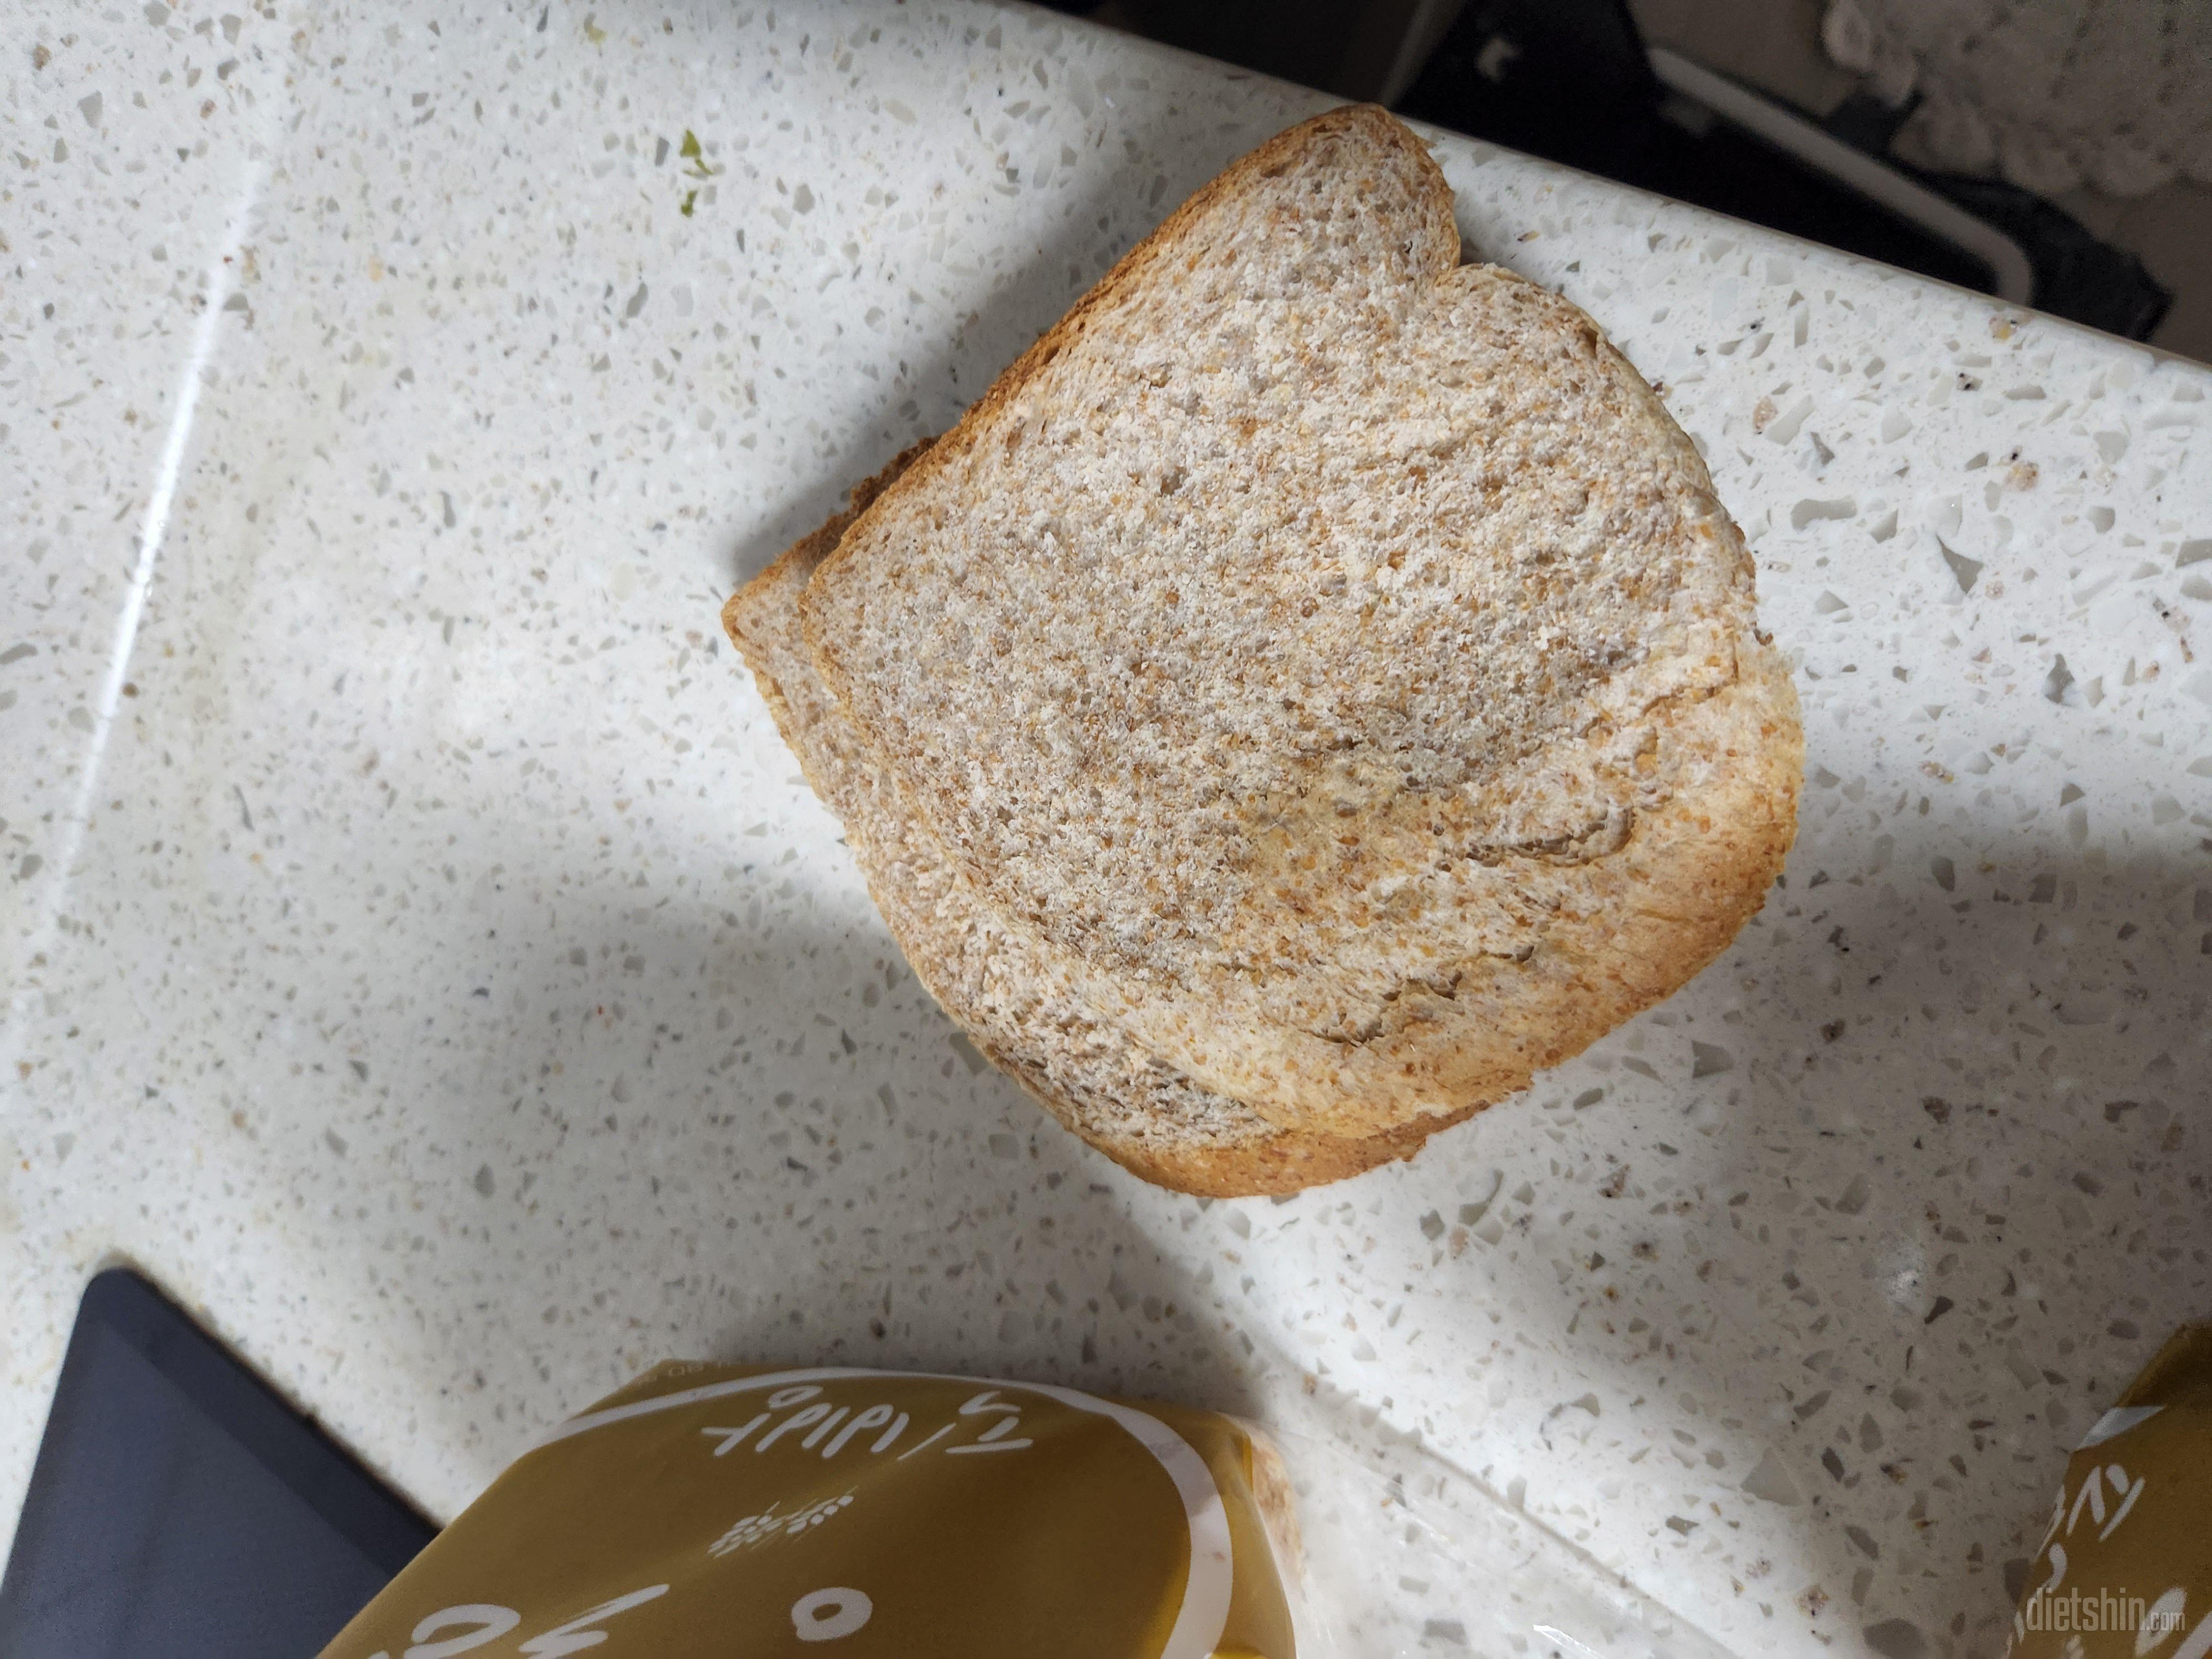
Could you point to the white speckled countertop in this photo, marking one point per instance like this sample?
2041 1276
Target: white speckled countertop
427 962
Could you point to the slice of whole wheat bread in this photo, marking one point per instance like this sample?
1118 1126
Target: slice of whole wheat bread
1335 652
1004 985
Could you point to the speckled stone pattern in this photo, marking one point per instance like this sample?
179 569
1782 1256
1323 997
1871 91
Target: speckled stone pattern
425 959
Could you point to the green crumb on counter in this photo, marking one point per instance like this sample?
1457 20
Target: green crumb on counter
688 150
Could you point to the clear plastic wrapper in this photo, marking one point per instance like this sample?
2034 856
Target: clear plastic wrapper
1404 1555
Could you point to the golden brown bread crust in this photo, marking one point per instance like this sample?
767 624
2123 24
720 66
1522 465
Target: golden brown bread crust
1000 985
1536 908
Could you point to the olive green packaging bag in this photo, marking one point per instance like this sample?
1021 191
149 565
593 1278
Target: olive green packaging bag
711 1510
2125 1569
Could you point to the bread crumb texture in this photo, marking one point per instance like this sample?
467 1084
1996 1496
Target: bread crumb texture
1006 985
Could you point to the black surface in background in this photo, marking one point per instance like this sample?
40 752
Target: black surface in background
1572 81
180 1509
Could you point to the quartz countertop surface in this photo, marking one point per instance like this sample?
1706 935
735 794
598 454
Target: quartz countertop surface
425 959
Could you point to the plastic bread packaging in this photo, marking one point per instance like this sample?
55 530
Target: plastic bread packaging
2124 1568
718 1509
